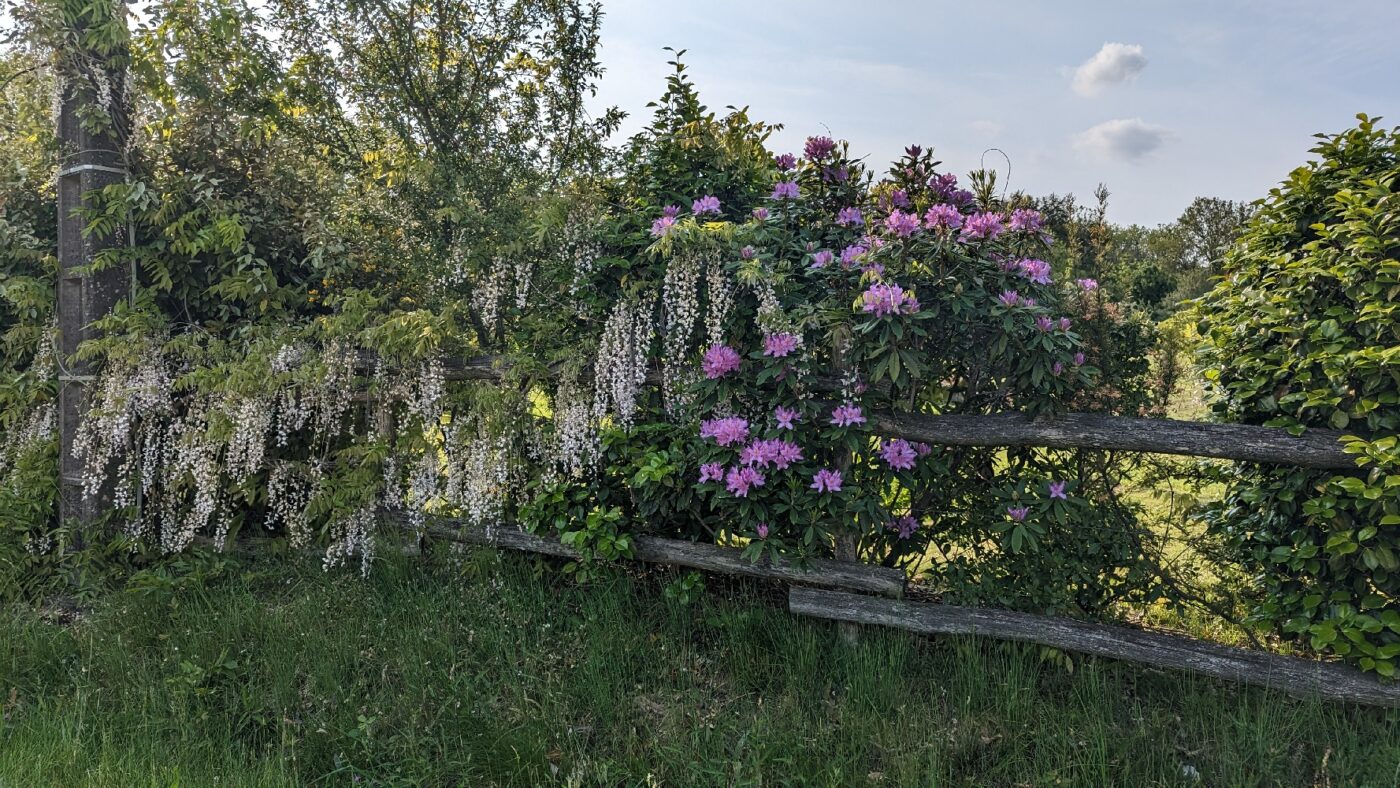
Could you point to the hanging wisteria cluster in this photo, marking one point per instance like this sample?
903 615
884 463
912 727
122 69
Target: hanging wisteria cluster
623 360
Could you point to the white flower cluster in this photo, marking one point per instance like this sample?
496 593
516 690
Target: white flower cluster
350 536
252 419
579 250
721 299
35 428
289 490
575 444
623 353
478 473
680 300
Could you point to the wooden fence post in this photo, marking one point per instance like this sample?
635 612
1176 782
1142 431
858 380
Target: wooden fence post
91 157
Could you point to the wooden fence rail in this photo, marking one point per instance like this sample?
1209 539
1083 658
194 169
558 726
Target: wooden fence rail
1294 675
844 575
1315 448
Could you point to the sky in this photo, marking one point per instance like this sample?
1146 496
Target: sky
1160 101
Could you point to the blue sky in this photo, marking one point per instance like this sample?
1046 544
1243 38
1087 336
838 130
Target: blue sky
1198 98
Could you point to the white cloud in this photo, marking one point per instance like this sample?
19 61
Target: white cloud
1113 64
988 128
1127 139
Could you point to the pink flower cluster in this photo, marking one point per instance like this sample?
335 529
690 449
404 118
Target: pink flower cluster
785 190
1012 299
726 431
846 415
818 147
822 258
720 360
1037 271
982 227
888 299
778 453
943 216
904 526
850 217
826 480
1026 220
780 345
707 204
901 455
785 417
901 224
663 226
852 254
740 480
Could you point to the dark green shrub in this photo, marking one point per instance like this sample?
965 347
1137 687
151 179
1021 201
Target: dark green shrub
1304 331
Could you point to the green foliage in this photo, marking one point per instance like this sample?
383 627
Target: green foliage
1303 332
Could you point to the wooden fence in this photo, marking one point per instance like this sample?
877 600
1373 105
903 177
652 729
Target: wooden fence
863 594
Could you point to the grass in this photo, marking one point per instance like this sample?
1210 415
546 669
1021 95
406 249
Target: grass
489 669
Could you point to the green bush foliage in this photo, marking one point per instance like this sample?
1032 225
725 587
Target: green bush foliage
1304 331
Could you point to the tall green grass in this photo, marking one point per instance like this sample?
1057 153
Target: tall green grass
488 669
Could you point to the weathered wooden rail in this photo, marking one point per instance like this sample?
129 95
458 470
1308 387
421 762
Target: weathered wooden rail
1293 675
820 572
1315 448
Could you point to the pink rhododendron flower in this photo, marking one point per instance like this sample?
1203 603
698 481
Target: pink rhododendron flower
818 147
1044 323
740 480
826 480
901 224
943 216
720 360
780 345
747 253
1057 490
785 190
1064 324
1009 298
711 472
846 415
761 214
785 161
981 227
785 416
662 226
822 258
898 454
888 299
727 431
1037 271
1017 513
1087 284
1079 359
1026 220
852 254
904 526
762 530
707 204
850 217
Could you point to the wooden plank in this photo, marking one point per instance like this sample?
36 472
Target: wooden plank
1293 675
1316 448
677 552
